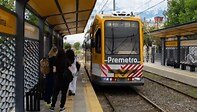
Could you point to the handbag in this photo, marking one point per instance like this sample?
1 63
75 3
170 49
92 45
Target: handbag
73 68
68 76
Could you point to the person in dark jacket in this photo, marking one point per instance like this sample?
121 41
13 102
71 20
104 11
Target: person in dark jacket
71 56
49 79
64 77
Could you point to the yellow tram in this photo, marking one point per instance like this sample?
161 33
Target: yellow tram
114 50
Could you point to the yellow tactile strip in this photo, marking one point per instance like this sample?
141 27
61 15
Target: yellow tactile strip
91 99
69 103
92 103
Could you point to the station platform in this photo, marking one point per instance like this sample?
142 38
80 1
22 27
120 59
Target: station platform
85 99
184 76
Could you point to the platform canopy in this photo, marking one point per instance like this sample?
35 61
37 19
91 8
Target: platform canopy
179 30
65 16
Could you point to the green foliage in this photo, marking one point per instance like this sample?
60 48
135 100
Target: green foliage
147 40
1 40
11 6
76 45
8 4
67 45
31 17
181 11
77 52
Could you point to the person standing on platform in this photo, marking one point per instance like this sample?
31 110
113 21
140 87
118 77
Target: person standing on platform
64 77
49 78
73 68
75 73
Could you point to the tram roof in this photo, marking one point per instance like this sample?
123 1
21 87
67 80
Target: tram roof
179 30
65 16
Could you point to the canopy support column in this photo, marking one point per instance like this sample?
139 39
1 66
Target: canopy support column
19 67
61 41
41 53
50 38
58 41
163 51
41 38
177 65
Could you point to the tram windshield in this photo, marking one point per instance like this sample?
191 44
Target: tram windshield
122 37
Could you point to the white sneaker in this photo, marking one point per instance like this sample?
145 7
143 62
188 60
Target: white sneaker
62 109
47 104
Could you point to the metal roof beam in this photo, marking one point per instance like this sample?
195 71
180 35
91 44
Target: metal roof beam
67 13
68 22
58 30
33 11
77 8
60 10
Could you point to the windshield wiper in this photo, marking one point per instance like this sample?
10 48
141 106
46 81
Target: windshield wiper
112 50
124 41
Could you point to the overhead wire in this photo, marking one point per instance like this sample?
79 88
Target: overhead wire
99 5
151 7
107 6
142 5
104 5
101 8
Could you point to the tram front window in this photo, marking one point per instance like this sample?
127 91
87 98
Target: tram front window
121 37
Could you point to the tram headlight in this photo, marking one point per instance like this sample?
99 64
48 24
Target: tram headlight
137 78
106 79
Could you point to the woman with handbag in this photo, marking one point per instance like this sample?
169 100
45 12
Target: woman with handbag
49 78
64 77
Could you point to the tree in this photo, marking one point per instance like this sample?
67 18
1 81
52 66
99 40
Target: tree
31 17
76 45
67 45
181 11
1 40
8 4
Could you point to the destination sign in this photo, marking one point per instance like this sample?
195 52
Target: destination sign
122 59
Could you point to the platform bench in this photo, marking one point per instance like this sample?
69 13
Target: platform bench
184 64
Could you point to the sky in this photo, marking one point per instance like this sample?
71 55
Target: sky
146 9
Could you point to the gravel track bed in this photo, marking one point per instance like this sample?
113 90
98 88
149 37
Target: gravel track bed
104 103
168 99
123 99
190 90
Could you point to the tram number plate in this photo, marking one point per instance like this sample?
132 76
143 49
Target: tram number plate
119 75
121 79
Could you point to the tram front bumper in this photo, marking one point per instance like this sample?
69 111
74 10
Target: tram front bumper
120 81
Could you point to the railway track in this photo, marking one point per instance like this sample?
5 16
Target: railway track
141 95
127 101
149 101
153 80
109 102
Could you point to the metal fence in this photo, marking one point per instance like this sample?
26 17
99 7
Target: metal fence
189 54
7 72
171 54
31 64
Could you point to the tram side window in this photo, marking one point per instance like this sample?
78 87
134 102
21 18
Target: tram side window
98 41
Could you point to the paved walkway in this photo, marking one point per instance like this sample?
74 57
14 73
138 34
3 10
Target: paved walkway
184 76
85 99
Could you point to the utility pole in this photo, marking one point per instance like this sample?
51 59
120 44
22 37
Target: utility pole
114 4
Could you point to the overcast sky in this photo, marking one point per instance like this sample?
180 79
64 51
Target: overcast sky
154 7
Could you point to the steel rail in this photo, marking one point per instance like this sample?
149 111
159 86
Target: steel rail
149 101
170 88
110 103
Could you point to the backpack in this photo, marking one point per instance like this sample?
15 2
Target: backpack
44 66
